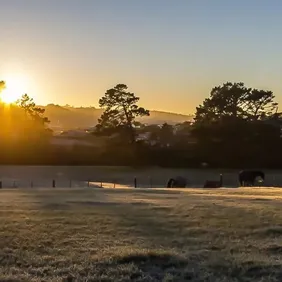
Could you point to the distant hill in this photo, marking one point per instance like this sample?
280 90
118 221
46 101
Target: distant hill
66 117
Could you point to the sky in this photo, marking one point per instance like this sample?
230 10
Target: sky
169 53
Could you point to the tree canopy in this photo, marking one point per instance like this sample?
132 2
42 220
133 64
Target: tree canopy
236 123
235 126
236 101
23 122
120 111
34 112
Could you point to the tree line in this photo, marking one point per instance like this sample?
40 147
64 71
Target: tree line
235 127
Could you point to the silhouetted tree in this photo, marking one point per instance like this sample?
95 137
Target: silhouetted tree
33 123
159 135
120 110
236 123
235 101
166 134
30 108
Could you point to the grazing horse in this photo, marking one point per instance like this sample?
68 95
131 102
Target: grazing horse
248 177
214 183
177 182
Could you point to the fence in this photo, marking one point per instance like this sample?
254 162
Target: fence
194 181
69 183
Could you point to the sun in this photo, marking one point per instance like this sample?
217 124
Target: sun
15 88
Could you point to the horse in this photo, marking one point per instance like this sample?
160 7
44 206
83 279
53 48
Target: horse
177 182
249 177
214 183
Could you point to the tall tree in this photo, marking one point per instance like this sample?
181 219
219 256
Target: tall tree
34 112
235 101
120 110
33 123
261 105
236 117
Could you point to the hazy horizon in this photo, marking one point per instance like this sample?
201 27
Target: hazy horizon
98 108
170 53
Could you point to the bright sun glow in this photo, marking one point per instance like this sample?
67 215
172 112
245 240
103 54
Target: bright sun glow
15 88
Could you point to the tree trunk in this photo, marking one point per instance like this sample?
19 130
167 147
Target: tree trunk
130 127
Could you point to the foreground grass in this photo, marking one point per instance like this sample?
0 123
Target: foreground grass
139 235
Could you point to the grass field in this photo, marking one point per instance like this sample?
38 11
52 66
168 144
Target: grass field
141 235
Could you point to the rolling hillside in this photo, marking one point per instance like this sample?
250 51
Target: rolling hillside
66 117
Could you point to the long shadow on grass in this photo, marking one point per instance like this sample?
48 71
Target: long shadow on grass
161 225
165 266
152 223
159 228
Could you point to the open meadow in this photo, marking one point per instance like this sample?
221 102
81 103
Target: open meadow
141 234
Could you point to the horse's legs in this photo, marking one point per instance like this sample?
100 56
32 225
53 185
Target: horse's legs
241 182
169 183
252 181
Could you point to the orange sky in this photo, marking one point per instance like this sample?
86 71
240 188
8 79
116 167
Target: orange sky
170 53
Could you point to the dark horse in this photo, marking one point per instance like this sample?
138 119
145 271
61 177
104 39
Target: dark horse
177 182
248 177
